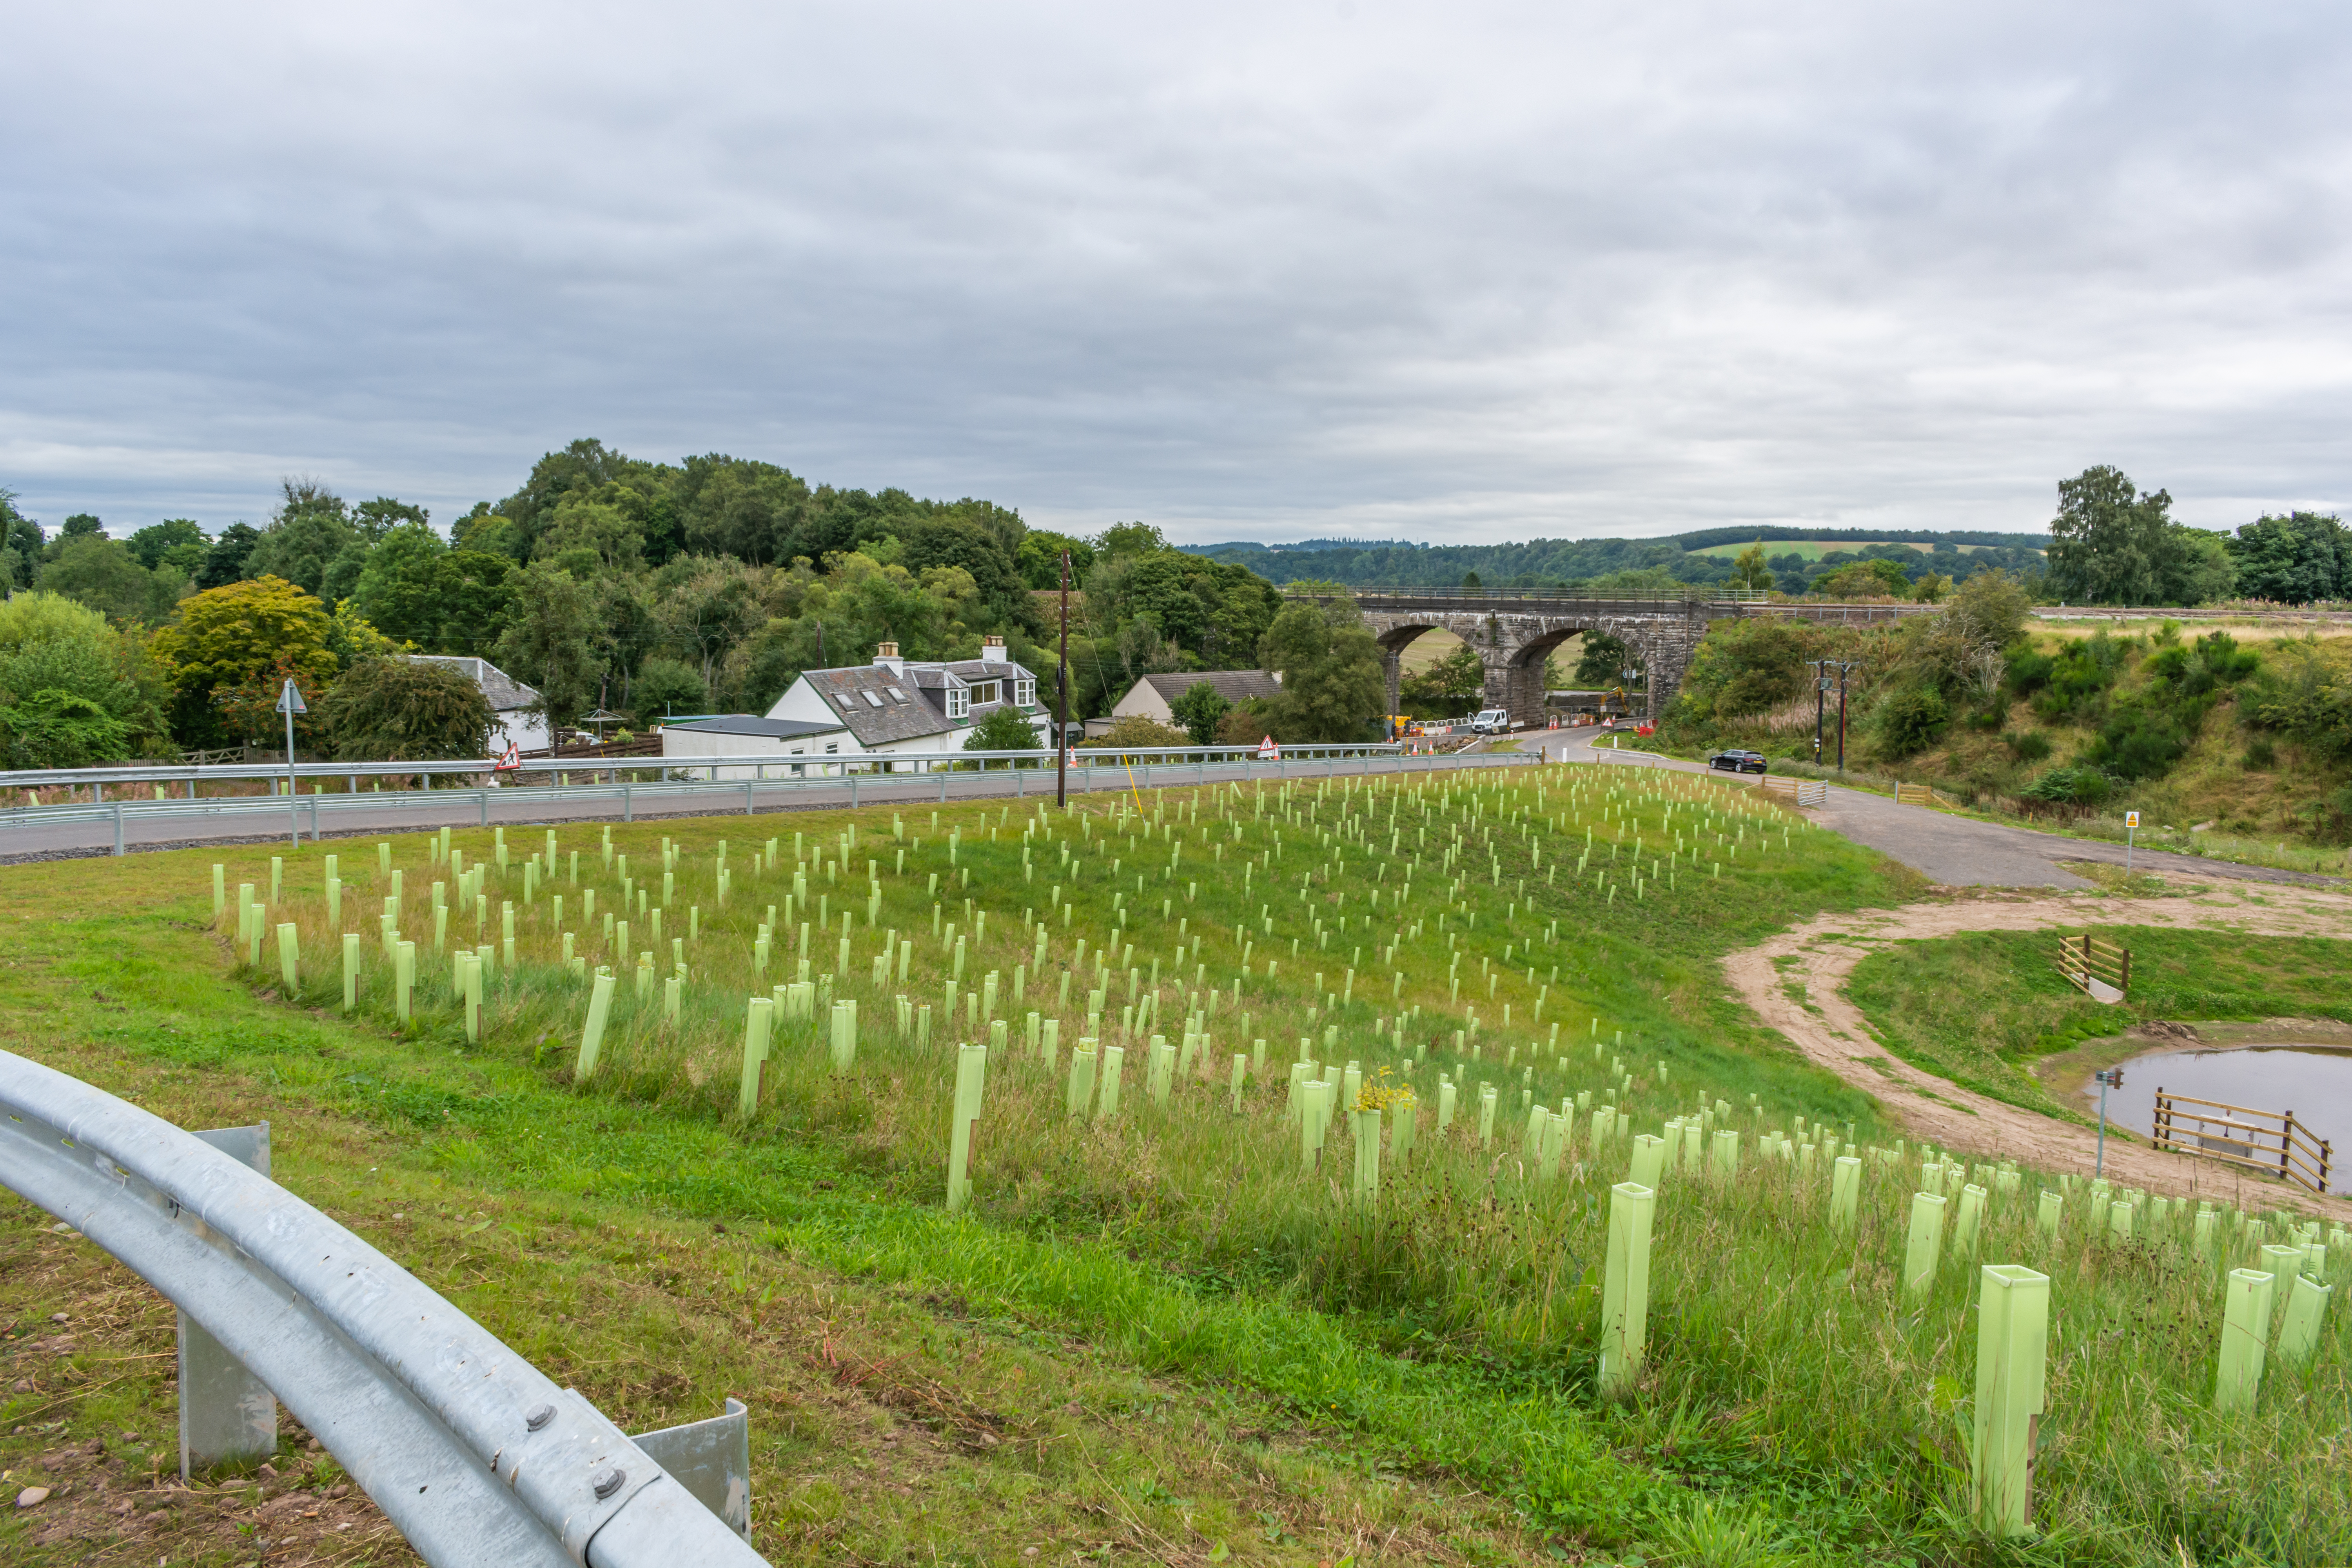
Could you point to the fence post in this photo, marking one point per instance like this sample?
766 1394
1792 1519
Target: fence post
118 827
1625 1286
225 1411
628 807
2013 1343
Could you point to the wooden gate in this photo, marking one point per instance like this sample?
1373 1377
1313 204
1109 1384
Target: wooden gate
2212 1130
1797 792
2091 966
1913 795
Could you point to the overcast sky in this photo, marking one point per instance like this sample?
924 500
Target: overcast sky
1456 272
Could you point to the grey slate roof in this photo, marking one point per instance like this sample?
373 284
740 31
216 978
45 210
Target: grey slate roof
506 694
850 693
1233 685
752 724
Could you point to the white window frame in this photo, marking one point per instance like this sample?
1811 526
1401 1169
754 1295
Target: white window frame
959 701
986 691
1024 692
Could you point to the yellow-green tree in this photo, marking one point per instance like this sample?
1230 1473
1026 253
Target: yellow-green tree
230 649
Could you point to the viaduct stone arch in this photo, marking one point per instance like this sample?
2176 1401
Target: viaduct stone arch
1513 629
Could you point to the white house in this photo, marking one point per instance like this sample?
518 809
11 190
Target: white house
776 748
515 716
897 705
1154 696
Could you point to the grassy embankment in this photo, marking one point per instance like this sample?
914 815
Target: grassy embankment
2234 793
1443 1344
1985 1008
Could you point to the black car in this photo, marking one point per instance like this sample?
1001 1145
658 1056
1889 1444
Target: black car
1737 762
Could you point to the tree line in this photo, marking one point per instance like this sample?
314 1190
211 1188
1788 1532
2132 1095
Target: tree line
605 581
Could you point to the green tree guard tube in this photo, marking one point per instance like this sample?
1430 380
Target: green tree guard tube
2119 1220
404 979
972 1074
845 1036
1446 1097
1049 1043
383 859
1081 1089
672 991
1241 1077
1845 1192
1925 1246
2306 1307
473 966
289 955
591 1036
1487 1099
335 898
220 890
1114 1059
1970 1220
1367 1185
759 1023
351 970
1727 1155
1625 1286
1649 1162
2047 1213
2245 1327
1693 1131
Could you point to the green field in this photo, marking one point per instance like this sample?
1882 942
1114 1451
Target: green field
1172 1330
1814 548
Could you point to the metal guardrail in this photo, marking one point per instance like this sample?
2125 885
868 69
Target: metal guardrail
852 783
476 1456
130 774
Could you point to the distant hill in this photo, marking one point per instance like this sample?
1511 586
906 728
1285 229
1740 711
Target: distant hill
1698 558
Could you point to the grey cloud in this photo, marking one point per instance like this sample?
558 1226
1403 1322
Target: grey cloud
1459 272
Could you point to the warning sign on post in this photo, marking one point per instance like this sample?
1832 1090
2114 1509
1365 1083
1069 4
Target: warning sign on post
1267 751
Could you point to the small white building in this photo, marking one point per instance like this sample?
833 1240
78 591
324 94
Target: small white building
897 705
772 748
1154 696
515 718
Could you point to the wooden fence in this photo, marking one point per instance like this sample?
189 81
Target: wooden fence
1913 795
2287 1150
2084 960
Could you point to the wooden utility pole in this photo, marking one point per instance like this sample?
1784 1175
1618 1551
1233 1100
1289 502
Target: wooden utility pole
1061 695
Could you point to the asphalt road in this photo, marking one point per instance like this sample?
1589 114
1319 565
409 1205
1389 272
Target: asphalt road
1957 851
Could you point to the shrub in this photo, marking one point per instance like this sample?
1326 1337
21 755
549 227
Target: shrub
54 729
1137 733
2260 753
2029 746
665 686
400 709
2069 786
1910 721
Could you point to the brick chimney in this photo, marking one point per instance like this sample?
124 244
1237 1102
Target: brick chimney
886 655
991 648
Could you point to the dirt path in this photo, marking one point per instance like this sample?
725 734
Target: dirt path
1831 1033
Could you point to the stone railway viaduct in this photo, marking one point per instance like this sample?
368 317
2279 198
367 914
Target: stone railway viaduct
1512 630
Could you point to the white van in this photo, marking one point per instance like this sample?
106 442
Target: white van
1491 721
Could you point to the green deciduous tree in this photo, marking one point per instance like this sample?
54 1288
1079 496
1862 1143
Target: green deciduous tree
663 686
2295 560
176 539
62 669
1333 682
2111 544
1200 710
230 645
103 573
393 709
552 641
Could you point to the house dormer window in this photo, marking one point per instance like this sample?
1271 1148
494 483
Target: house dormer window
985 691
958 703
1024 692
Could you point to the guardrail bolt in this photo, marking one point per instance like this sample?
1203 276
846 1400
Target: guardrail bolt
609 1482
537 1416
